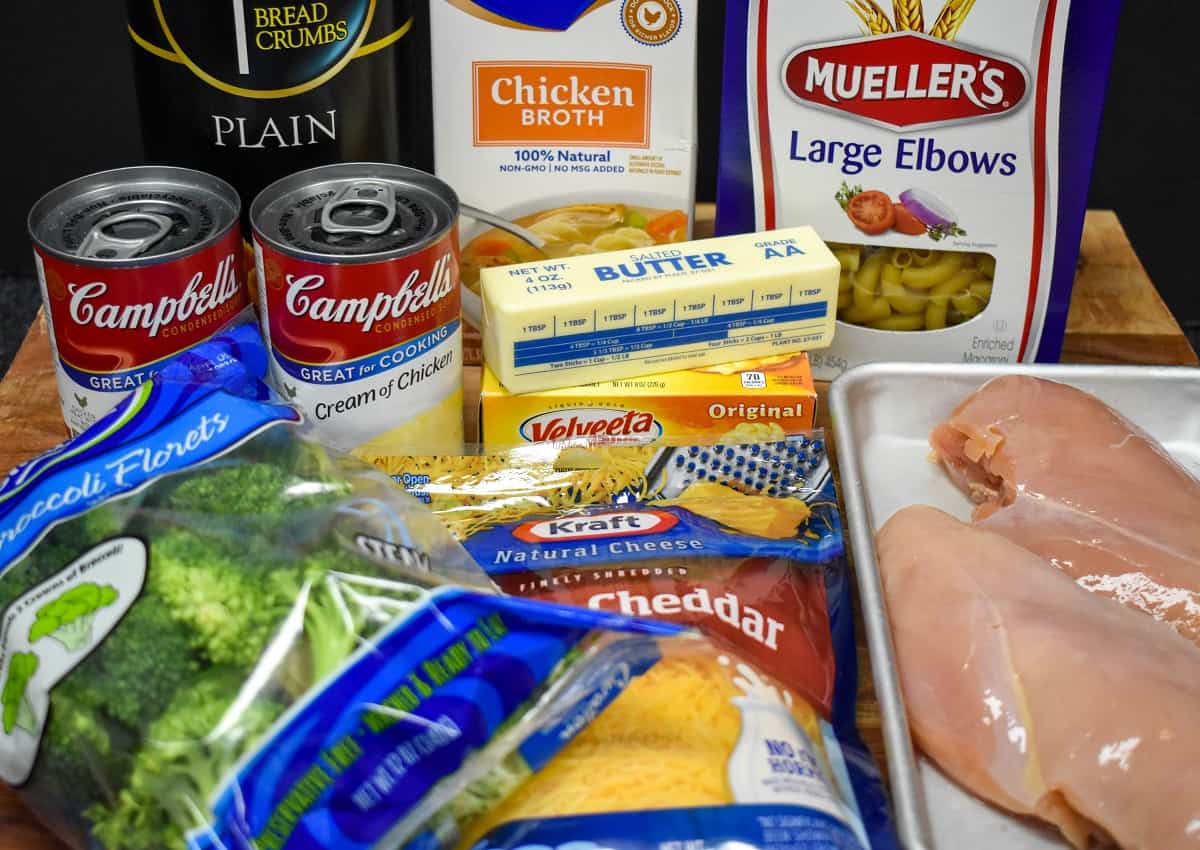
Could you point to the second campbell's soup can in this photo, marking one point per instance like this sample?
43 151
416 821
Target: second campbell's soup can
359 292
136 265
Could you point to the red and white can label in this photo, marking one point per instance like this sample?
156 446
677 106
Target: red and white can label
367 348
112 327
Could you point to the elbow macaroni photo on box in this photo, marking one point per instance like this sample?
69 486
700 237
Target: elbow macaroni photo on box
942 149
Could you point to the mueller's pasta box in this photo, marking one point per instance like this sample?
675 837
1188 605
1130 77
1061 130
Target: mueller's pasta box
761 399
567 127
942 148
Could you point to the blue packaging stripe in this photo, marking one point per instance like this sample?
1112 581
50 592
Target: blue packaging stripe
761 827
544 14
735 177
363 367
234 358
659 335
500 552
162 428
614 669
234 361
338 772
1087 57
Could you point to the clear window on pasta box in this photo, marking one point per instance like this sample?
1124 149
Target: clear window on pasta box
912 289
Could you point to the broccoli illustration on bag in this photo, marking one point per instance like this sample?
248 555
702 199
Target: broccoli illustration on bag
18 713
68 619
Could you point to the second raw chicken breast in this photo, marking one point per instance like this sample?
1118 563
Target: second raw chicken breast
1041 698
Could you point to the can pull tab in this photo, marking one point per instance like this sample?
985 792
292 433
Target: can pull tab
366 206
125 235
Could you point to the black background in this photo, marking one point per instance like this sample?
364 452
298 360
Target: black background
69 109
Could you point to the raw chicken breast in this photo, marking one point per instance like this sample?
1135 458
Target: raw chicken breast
1069 478
1041 698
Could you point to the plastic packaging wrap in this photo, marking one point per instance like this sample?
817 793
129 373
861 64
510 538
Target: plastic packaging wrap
743 541
216 634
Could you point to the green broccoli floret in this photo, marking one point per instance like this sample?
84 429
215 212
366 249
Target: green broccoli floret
68 541
235 603
68 618
347 599
260 498
187 752
332 631
81 761
18 712
227 601
489 790
136 671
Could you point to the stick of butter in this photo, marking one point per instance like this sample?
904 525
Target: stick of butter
597 317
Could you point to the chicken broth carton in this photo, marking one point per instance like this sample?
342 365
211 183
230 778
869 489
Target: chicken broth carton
566 126
943 149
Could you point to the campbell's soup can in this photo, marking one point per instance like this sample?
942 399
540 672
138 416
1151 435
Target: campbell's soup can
358 284
136 265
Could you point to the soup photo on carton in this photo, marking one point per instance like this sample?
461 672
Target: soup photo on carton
942 148
567 128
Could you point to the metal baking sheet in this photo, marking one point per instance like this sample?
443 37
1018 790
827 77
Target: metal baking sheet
882 415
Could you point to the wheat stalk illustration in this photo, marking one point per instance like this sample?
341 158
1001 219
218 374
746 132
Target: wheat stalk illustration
873 17
909 16
951 18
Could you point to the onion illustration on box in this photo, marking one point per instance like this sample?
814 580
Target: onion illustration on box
943 149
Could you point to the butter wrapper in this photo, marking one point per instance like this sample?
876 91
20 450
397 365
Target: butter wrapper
600 317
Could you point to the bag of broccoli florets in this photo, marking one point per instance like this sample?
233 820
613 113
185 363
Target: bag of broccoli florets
215 633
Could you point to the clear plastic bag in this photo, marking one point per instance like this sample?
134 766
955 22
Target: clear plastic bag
216 634
740 540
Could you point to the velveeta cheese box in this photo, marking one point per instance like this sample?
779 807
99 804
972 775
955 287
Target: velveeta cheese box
573 119
749 400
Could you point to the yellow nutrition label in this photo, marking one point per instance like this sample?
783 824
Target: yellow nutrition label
581 319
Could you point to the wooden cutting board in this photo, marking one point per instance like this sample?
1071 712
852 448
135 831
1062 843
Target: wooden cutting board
1116 316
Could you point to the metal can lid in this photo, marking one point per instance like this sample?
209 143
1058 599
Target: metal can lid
134 216
354 212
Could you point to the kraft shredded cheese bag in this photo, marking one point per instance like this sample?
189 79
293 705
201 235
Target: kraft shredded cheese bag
743 542
215 634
